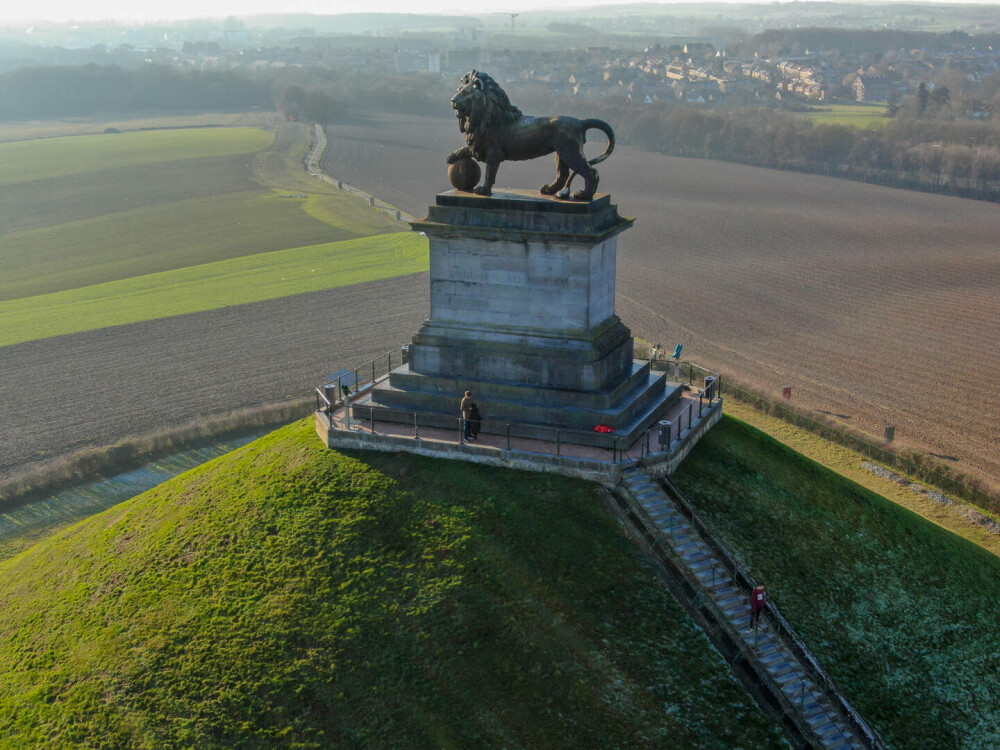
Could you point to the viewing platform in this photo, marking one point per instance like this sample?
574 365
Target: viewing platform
602 457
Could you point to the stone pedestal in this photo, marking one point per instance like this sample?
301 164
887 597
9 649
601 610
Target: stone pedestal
522 292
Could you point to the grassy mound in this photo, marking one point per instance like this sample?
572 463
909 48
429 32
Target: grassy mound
289 596
902 613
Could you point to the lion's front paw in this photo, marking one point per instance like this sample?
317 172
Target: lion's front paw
482 190
582 195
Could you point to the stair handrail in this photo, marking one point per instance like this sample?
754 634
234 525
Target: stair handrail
743 578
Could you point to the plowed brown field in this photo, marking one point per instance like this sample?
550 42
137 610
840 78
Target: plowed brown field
878 305
96 388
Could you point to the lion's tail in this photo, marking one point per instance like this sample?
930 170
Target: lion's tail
595 124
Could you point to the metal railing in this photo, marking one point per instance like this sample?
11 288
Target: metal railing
696 599
673 443
745 581
551 434
508 430
347 384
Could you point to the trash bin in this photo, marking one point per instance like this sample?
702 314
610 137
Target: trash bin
405 351
330 392
710 387
664 433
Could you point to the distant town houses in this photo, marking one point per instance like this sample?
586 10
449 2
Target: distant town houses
874 89
695 72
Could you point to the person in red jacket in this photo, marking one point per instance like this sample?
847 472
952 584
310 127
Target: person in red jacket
758 601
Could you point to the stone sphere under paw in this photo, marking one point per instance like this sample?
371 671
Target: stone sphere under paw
464 174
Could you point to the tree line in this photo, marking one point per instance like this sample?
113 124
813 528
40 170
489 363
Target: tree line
959 157
64 91
315 94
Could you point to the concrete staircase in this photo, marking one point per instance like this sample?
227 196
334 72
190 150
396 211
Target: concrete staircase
787 677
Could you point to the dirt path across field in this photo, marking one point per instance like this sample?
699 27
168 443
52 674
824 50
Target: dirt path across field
877 306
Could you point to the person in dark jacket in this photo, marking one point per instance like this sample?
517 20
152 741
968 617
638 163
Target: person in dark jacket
467 406
758 602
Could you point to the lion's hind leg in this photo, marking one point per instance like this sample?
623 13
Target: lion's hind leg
562 174
579 164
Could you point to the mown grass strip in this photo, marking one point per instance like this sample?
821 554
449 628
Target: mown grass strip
24 161
212 285
172 235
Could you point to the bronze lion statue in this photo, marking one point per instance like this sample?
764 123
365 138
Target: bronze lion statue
496 131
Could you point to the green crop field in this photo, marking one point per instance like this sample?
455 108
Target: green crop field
30 130
285 595
48 158
250 278
855 115
80 211
901 612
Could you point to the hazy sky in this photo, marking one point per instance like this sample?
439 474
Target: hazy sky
64 10
145 10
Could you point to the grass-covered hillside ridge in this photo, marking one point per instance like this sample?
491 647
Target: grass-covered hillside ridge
903 614
286 595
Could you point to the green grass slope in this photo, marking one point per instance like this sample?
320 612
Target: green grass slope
902 613
285 595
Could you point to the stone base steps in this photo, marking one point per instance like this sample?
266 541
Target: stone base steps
780 672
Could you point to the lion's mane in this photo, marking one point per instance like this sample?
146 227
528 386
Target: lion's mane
487 108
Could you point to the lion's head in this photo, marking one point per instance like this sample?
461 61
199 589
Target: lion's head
481 105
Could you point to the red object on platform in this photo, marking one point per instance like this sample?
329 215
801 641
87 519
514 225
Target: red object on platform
604 428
